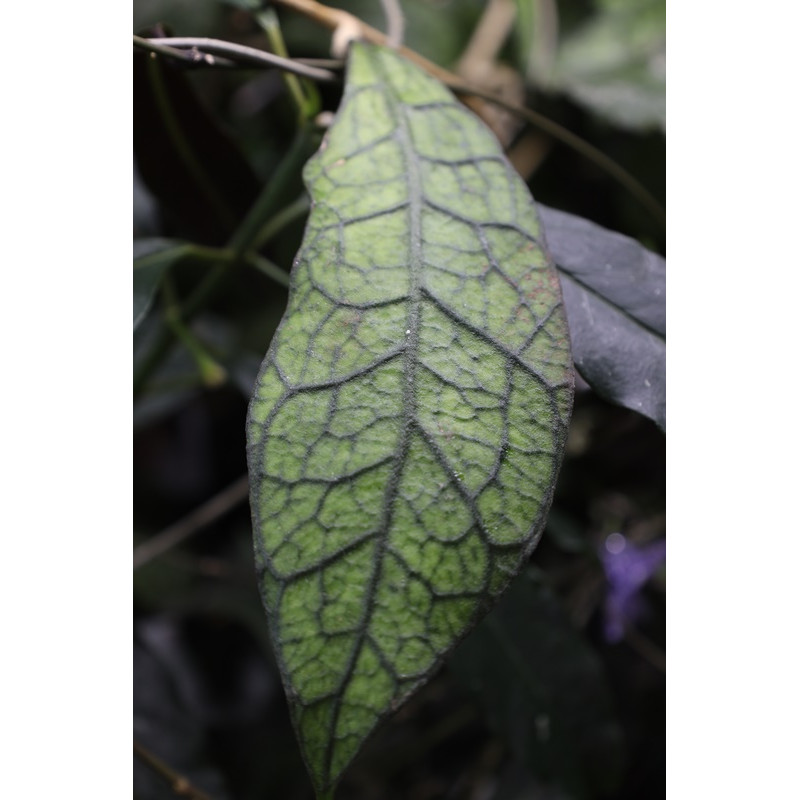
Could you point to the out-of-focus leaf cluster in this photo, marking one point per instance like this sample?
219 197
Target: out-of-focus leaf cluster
613 62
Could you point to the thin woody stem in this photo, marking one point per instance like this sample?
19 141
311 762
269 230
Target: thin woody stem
191 57
212 373
199 519
395 22
300 94
237 52
177 782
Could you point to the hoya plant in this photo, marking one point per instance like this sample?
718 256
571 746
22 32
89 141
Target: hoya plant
408 421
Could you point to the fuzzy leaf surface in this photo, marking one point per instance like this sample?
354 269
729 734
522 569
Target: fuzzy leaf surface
409 418
615 297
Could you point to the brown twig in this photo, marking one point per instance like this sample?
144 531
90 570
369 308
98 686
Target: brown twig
395 22
177 782
200 518
488 38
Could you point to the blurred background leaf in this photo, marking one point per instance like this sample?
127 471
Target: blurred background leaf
613 62
543 687
614 293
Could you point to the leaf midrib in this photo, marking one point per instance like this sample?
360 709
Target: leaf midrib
408 350
402 135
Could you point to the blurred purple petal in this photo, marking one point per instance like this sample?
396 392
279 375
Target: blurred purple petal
627 568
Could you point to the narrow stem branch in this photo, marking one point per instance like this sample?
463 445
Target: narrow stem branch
201 252
269 269
192 57
545 32
220 256
300 94
191 524
323 63
211 373
395 23
178 783
267 203
489 36
284 217
242 53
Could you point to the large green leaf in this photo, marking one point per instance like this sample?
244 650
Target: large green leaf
409 418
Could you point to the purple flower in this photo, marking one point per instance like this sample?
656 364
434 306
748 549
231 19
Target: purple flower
628 568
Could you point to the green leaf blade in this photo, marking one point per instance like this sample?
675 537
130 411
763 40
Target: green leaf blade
409 420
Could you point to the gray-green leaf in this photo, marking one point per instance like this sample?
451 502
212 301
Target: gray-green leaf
614 293
410 416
